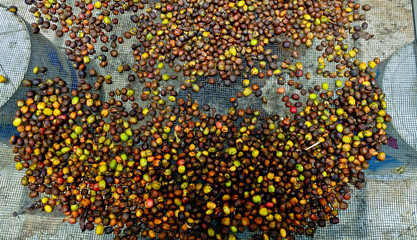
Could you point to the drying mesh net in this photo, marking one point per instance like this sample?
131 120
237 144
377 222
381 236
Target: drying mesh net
384 209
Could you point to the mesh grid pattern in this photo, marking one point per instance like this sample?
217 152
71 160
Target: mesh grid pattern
15 53
384 209
403 61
